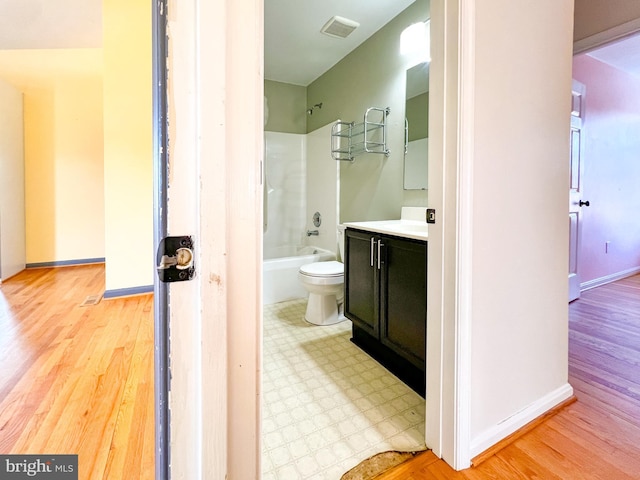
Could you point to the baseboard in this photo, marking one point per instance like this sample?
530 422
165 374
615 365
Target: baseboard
127 292
66 263
502 430
597 282
491 451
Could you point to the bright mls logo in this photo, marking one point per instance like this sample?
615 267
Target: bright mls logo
39 467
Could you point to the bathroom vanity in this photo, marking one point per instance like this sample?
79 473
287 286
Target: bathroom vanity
385 294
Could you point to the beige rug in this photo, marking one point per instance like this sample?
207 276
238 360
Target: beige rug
379 463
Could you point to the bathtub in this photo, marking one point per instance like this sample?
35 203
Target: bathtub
280 274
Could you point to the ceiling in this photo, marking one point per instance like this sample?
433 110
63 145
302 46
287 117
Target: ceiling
42 24
623 54
295 50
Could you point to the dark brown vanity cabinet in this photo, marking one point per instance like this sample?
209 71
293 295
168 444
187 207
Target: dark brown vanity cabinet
386 299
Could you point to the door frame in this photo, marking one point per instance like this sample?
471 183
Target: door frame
215 85
451 120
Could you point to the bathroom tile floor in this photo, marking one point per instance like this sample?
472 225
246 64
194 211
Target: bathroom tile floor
327 405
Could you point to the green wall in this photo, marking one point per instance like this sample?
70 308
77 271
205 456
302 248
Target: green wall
287 107
373 75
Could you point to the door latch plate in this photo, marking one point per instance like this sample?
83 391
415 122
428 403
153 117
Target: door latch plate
174 259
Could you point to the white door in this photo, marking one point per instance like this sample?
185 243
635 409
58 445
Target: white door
214 195
575 187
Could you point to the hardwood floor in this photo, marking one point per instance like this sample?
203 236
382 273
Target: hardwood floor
80 380
597 437
77 379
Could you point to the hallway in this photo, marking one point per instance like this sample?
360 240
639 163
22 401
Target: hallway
596 437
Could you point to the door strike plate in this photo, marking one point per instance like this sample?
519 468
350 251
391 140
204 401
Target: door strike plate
431 215
174 259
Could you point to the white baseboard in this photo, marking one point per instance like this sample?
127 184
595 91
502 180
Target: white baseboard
502 430
596 282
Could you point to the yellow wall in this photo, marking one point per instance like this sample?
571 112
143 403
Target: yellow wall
88 148
63 150
128 149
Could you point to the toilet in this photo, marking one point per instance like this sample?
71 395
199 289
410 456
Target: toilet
325 283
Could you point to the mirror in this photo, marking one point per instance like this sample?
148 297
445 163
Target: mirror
416 135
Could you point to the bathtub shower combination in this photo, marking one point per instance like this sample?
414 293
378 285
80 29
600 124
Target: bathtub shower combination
300 180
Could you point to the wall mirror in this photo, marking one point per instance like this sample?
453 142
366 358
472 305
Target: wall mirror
416 135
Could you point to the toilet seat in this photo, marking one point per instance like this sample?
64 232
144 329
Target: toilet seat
323 269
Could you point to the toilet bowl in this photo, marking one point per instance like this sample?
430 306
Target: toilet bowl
325 283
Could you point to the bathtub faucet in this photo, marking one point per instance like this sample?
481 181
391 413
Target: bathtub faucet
312 232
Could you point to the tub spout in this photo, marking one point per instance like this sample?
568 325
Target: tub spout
312 232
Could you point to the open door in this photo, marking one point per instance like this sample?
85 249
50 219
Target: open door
575 187
209 188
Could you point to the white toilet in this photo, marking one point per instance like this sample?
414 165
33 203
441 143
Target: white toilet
325 283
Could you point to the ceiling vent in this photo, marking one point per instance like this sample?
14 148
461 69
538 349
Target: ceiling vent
339 27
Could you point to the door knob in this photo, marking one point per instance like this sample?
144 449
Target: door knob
583 204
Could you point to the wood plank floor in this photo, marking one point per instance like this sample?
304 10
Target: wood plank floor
597 437
80 380
77 379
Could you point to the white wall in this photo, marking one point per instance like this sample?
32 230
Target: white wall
12 204
519 312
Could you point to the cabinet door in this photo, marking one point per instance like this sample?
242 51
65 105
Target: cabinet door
361 304
404 298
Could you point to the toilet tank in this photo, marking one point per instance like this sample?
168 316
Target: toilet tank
341 241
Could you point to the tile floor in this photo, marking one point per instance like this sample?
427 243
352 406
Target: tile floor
326 404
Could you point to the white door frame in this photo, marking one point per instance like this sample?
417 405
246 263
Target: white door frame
450 239
215 91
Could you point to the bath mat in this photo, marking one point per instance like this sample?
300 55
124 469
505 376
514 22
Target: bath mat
379 463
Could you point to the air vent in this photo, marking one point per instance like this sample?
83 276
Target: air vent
91 300
339 27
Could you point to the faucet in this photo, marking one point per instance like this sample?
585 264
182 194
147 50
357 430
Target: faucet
312 232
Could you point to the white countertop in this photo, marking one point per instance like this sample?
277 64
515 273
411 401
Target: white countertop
414 229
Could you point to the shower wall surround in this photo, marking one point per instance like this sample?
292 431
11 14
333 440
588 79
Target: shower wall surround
323 182
285 158
301 179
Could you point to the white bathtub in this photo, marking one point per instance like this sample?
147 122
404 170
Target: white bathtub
280 275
